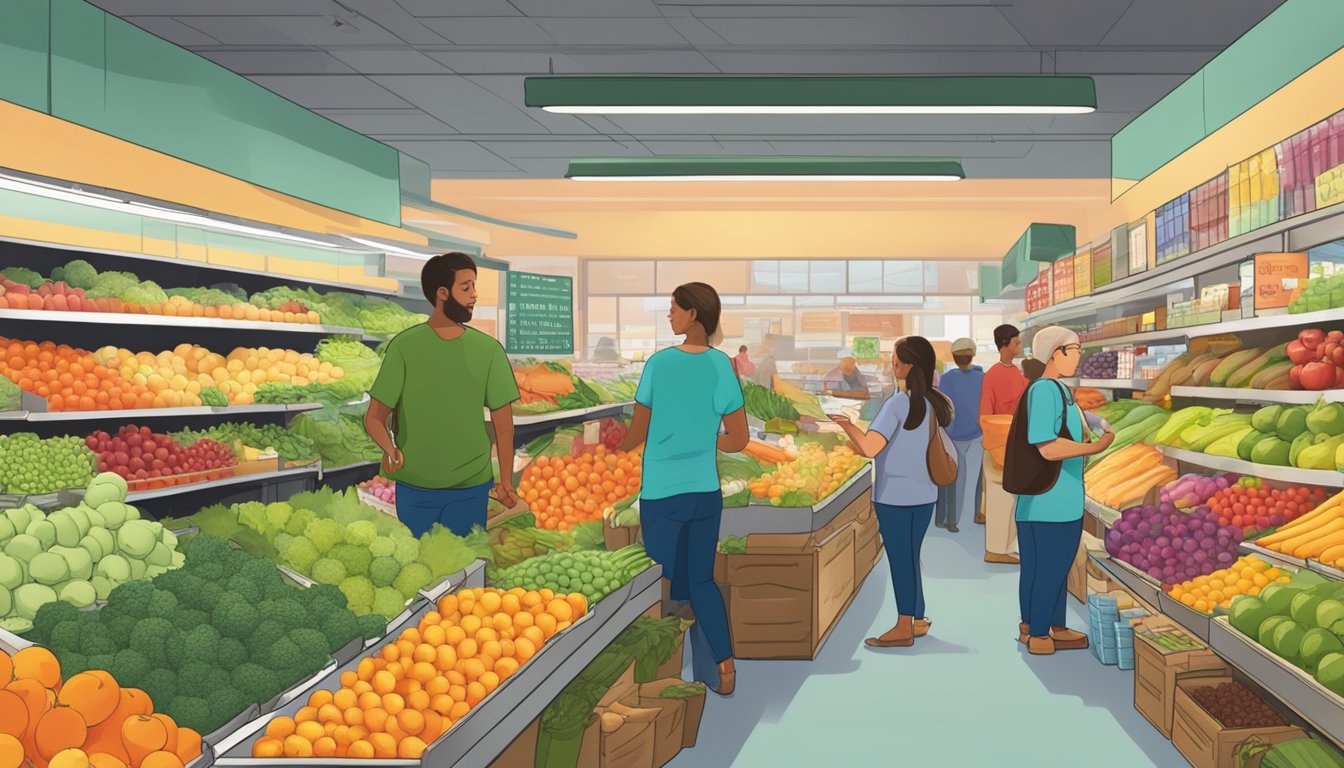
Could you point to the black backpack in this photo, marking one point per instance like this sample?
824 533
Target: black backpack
1025 471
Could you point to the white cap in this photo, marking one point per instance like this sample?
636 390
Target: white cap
1049 339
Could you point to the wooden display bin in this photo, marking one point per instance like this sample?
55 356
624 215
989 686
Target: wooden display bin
867 541
1156 672
1203 740
522 753
787 591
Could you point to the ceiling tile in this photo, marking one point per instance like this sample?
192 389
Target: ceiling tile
622 32
921 26
461 103
841 62
172 30
1063 22
125 8
565 149
502 62
389 122
459 156
587 8
1138 62
389 61
638 62
291 30
510 89
395 19
426 9
332 91
490 31
244 30
272 62
1196 22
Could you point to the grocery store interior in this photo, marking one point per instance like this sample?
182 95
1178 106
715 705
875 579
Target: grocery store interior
244 245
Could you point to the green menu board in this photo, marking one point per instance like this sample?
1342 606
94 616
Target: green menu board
538 314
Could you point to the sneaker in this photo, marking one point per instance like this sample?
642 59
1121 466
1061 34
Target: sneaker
953 529
1040 646
993 557
1066 639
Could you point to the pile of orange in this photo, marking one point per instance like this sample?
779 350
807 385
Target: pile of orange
70 379
1247 576
87 721
396 703
563 491
179 306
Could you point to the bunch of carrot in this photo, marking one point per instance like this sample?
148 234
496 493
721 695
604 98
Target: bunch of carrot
1317 535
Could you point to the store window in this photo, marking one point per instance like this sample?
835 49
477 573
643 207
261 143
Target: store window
951 277
793 277
639 317
865 277
616 278
828 277
725 276
765 277
903 277
602 321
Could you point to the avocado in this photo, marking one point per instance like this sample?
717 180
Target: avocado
1265 419
1274 451
1292 422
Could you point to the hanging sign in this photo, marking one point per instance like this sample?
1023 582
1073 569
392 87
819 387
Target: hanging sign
1277 275
539 314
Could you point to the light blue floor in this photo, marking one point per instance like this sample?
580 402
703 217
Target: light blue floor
966 695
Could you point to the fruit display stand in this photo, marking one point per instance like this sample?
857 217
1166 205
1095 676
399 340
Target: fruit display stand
539 421
1317 705
1156 670
490 727
1206 742
1192 621
1104 514
764 518
124 318
1139 585
1321 477
1285 396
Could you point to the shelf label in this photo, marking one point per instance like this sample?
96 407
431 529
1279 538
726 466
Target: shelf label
1277 276
539 314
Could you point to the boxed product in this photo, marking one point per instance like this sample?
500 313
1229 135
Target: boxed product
1205 741
631 743
787 591
1157 667
669 727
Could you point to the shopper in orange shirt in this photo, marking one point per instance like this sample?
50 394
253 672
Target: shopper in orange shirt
1003 386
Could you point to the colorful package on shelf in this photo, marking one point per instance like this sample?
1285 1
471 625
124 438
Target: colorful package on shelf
1208 213
1062 280
1082 273
1101 265
1136 261
1173 229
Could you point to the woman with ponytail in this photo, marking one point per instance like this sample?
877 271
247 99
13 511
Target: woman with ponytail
903 493
685 394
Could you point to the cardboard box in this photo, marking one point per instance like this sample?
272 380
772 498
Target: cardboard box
670 727
622 689
1203 740
787 591
617 538
672 667
522 753
1156 672
630 746
590 751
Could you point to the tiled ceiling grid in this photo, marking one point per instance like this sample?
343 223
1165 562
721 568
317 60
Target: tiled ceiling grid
442 80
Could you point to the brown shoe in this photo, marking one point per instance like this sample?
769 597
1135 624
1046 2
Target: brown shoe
922 627
1023 632
1066 639
1040 646
727 678
979 519
900 636
993 557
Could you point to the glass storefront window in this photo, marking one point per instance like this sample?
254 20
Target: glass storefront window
793 276
903 277
865 277
765 277
828 277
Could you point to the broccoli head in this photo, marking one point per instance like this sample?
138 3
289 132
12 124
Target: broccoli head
278 514
191 712
357 590
372 626
412 579
266 634
299 520
245 588
382 546
119 628
407 549
49 616
256 682
95 643
324 598
80 274
150 638
231 653
283 656
129 668
163 604
324 533
208 596
383 570
287 612
301 554
387 602
208 549
312 646
101 661
160 684
225 703
328 571
361 533
354 557
181 583
130 599
234 616
67 636
73 663
201 676
340 628
202 644
190 618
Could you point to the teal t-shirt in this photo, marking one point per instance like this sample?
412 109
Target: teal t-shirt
1047 402
688 394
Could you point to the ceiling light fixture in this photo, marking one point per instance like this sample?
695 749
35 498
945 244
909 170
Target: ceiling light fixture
810 169
765 95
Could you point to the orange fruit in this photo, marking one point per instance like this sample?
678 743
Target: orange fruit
297 746
265 747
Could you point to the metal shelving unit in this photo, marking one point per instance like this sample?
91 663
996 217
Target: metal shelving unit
1322 477
122 318
1292 397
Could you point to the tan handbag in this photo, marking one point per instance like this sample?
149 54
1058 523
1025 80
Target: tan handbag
942 454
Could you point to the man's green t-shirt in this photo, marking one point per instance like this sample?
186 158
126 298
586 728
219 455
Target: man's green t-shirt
435 388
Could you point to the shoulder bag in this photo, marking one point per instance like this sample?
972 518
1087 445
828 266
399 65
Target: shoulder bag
1025 471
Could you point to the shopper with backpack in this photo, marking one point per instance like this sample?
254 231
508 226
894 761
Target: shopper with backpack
913 457
1044 467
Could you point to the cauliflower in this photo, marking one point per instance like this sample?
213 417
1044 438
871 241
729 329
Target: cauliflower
407 549
412 579
80 274
387 602
328 571
361 533
147 293
382 546
357 590
301 554
324 534
383 570
278 514
298 521
354 557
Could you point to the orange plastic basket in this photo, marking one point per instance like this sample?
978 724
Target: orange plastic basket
996 436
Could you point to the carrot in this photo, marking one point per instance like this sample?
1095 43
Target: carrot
1308 522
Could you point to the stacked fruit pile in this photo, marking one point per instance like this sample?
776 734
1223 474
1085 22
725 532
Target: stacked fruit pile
1317 535
396 703
1320 293
1126 476
152 460
1307 437
815 474
1172 546
1302 622
1247 576
31 465
563 491
86 719
1253 506
1318 360
381 489
1225 365
1100 365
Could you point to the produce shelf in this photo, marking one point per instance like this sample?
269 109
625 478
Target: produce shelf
1107 515
480 737
1140 585
1287 561
167 413
1147 337
1322 477
1193 621
1292 397
348 467
122 318
1290 685
258 478
763 518
560 417
1137 384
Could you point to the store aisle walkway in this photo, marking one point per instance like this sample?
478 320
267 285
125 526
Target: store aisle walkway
966 695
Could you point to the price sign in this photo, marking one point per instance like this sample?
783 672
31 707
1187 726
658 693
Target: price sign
539 314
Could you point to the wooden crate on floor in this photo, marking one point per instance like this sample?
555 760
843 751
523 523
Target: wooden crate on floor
1204 741
1156 671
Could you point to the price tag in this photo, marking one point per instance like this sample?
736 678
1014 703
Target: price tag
592 432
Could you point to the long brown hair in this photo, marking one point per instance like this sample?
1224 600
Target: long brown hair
918 353
702 298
